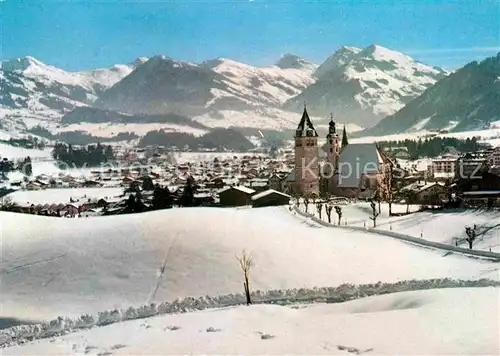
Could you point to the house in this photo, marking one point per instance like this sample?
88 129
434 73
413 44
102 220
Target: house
236 196
258 184
425 193
443 167
397 152
89 213
203 199
471 165
489 198
270 197
274 181
288 183
494 157
33 186
127 180
485 182
90 184
70 210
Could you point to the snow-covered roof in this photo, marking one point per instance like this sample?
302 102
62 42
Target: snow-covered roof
240 188
420 187
355 160
267 192
482 192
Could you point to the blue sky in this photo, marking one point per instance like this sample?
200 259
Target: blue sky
77 35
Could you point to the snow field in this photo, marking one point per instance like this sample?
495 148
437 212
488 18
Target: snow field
68 267
63 195
439 226
436 321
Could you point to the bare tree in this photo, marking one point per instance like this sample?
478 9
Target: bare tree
246 264
306 202
409 196
319 207
375 214
378 197
389 185
338 211
328 209
471 235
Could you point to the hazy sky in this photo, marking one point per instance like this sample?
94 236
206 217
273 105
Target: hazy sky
77 35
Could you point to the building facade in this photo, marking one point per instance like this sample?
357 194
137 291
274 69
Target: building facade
306 158
351 170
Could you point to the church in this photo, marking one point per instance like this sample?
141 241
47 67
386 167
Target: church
338 168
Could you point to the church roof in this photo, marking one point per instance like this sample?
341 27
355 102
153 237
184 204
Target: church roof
305 126
357 159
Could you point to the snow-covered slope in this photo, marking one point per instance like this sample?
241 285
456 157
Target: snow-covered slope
54 266
29 84
163 85
363 86
468 99
268 85
444 227
340 58
459 321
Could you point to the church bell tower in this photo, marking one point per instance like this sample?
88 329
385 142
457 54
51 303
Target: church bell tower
306 157
332 148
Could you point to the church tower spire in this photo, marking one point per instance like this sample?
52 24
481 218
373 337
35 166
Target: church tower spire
332 155
306 157
305 127
344 138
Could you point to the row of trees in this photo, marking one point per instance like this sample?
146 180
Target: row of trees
219 138
162 197
30 142
435 146
23 165
471 232
90 156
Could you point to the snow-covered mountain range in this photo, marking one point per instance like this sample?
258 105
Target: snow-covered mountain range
365 85
163 85
359 86
468 99
28 83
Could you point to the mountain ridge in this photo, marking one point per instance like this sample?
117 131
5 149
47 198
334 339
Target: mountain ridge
467 99
365 85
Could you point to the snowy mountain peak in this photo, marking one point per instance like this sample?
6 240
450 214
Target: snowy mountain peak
159 58
20 64
139 60
380 53
292 61
365 85
338 59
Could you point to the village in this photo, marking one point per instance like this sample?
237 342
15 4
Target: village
455 179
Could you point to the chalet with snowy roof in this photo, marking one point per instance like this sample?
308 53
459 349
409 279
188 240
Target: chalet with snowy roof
270 197
423 192
235 196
